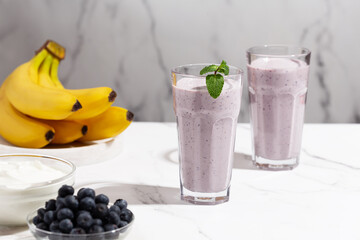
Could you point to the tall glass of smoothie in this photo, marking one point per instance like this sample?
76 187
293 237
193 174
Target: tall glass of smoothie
278 79
206 133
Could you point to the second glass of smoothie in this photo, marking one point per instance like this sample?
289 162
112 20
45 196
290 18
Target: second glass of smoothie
278 79
206 132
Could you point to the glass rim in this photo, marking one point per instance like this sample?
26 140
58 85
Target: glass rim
266 46
44 183
174 71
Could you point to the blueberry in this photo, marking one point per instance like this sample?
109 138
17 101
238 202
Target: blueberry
80 212
36 220
49 217
115 208
122 224
126 215
86 192
50 205
87 204
77 231
110 227
42 226
114 218
71 202
102 198
96 229
54 226
79 192
84 220
65 213
60 203
101 211
97 221
65 190
65 225
40 214
121 203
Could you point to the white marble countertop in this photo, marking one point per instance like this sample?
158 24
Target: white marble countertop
320 199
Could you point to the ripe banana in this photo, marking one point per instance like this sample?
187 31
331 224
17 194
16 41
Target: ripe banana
66 131
27 96
108 124
94 101
22 130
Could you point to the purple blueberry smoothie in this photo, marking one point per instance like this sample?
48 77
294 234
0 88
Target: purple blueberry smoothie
277 94
206 131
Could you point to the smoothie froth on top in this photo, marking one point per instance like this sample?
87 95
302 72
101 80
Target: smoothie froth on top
199 84
277 63
278 74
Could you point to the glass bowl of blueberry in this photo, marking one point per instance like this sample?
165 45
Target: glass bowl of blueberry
85 216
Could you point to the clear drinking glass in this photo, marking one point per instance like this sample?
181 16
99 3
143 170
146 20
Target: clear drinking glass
278 79
206 133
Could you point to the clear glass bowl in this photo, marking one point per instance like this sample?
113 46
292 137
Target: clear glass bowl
17 202
39 234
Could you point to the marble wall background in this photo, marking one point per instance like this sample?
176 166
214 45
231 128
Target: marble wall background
130 45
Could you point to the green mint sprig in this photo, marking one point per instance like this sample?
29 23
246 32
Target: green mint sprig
215 82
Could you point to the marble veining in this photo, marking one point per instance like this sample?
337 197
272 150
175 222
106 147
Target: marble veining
323 42
159 57
317 200
79 40
149 198
329 160
131 45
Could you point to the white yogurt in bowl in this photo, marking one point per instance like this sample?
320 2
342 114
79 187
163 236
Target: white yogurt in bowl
27 181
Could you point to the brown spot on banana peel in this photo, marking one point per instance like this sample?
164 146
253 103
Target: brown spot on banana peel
84 129
112 96
49 135
129 116
76 106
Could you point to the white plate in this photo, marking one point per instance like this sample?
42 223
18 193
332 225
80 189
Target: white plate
78 153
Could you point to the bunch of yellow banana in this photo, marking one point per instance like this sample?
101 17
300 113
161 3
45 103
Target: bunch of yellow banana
36 109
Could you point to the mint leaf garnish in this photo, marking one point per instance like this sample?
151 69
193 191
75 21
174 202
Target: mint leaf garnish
223 68
215 82
207 69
